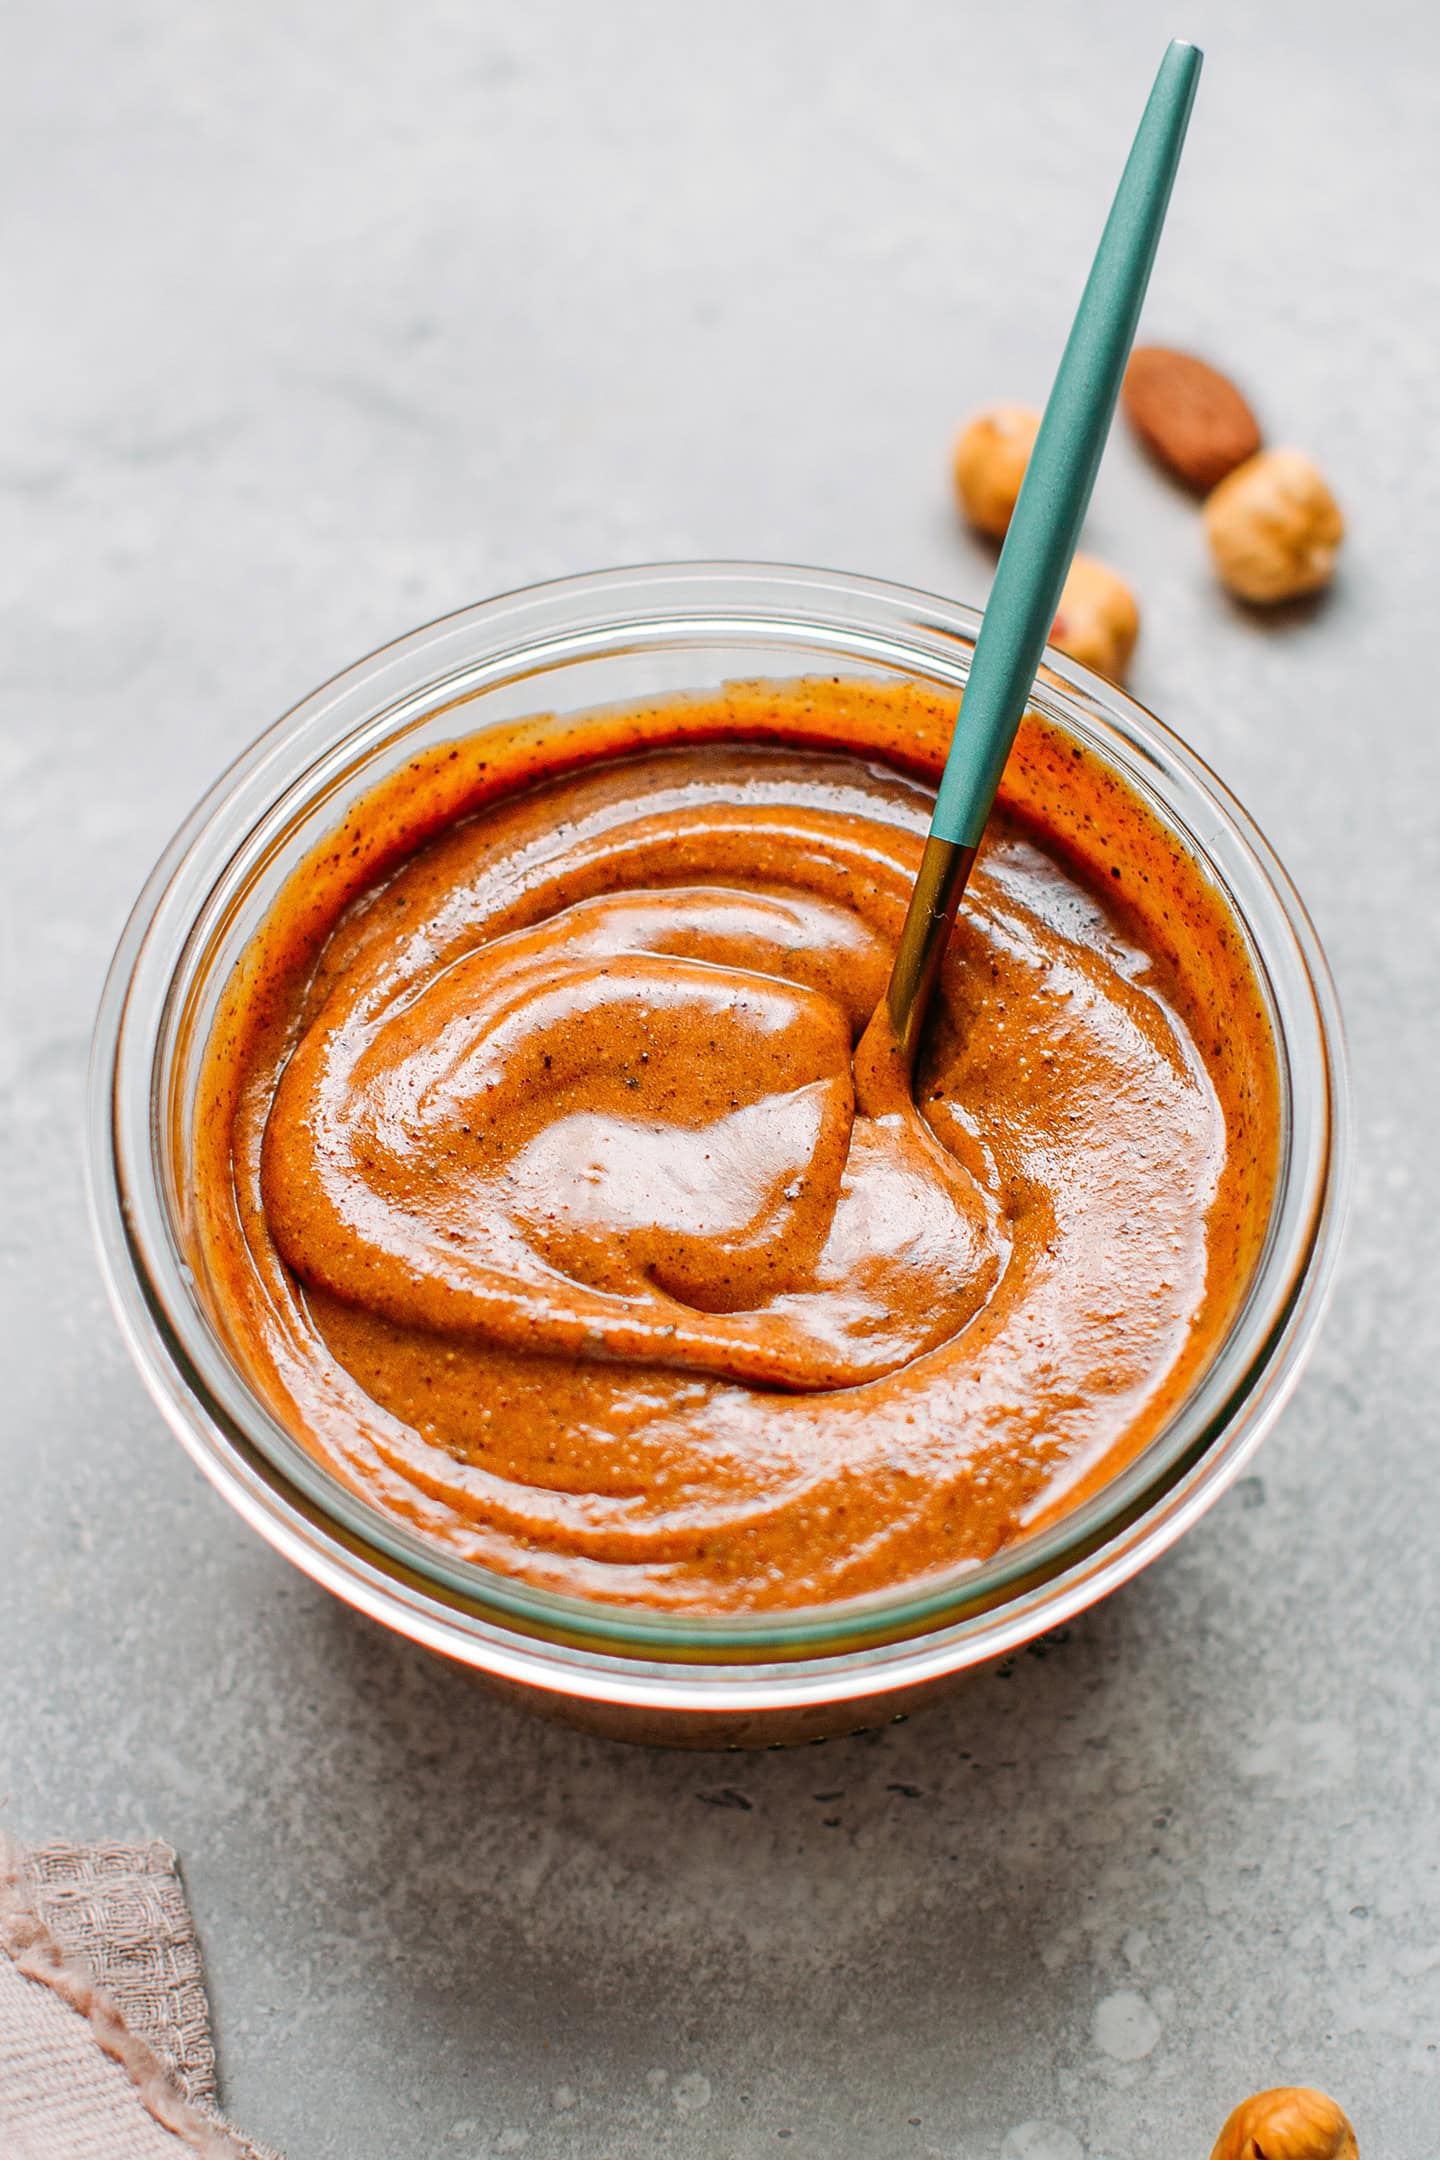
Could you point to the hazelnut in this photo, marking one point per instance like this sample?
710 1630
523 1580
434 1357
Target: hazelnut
1292 2122
1097 621
990 460
1274 527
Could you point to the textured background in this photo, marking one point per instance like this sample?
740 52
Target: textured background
323 321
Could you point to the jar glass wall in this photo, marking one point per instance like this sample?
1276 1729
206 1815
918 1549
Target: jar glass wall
565 649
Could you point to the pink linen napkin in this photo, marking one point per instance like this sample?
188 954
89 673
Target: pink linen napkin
105 2045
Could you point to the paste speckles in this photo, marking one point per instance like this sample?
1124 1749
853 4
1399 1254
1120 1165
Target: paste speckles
546 1203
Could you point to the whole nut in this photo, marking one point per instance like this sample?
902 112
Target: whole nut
1097 621
1188 415
1274 527
1291 2122
990 459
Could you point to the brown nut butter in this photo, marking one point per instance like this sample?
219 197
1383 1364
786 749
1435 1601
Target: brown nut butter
538 1192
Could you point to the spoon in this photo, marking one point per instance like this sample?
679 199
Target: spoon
1038 548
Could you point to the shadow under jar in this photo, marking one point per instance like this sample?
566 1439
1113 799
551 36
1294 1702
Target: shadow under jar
308 1400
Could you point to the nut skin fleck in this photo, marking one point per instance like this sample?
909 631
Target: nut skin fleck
1274 528
1098 621
1290 2122
1188 415
989 465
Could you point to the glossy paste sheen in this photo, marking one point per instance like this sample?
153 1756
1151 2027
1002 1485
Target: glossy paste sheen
543 1190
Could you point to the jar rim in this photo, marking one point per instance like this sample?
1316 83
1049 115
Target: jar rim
633 1653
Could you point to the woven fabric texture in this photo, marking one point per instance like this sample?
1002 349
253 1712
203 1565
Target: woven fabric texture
105 2044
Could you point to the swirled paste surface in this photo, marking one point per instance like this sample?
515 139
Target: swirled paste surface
541 1189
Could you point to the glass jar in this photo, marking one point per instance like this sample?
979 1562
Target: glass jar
606 639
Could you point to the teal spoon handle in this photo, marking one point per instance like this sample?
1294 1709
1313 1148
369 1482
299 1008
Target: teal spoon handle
1043 531
1066 457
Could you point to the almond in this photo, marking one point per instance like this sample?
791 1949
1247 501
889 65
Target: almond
1189 415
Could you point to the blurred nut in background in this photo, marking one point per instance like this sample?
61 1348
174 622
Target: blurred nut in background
1292 2122
990 460
1274 527
1188 415
1097 621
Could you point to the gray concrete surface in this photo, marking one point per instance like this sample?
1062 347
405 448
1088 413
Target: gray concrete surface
323 321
